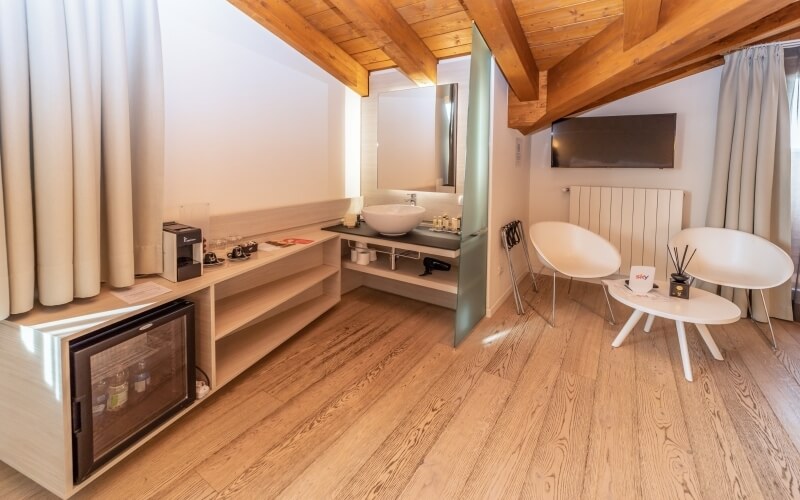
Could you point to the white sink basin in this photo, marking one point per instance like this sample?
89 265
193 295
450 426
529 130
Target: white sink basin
393 220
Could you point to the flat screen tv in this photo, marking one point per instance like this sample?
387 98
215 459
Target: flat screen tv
634 141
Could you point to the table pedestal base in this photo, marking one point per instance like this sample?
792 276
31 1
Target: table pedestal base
680 327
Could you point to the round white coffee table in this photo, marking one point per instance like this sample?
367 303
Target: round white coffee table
701 308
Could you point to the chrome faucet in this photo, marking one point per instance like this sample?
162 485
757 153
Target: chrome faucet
412 198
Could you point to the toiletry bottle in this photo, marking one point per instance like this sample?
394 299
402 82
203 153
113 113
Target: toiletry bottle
141 379
99 398
117 390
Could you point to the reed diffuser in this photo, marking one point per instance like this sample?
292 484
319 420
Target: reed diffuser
680 282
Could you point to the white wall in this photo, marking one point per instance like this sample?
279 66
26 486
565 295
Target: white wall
508 194
250 123
694 99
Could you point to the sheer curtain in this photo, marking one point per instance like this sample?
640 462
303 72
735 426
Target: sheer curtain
792 64
81 148
750 180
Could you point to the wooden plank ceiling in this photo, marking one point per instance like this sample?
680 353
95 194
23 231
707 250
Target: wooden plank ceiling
560 57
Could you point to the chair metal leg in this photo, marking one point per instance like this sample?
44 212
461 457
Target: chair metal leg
769 321
538 274
747 298
553 313
528 258
608 303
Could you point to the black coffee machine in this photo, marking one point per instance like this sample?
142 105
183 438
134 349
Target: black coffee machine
183 252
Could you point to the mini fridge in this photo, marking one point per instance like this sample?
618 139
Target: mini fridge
127 379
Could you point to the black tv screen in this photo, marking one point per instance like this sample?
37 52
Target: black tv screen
635 141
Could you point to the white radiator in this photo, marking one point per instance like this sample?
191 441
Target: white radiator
638 221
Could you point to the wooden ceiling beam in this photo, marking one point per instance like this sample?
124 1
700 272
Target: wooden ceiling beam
526 113
522 113
770 28
640 20
788 36
291 27
385 27
601 66
498 22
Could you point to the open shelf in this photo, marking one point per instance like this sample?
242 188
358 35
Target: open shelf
408 271
242 308
236 353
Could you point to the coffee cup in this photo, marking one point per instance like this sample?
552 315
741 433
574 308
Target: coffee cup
210 258
237 252
250 247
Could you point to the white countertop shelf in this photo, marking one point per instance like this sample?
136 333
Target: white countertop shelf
408 271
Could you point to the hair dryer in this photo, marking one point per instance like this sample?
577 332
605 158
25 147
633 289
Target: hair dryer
432 264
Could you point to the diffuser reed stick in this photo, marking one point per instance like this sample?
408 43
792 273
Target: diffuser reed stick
680 261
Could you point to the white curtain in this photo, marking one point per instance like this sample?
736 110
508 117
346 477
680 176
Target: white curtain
81 148
792 63
750 180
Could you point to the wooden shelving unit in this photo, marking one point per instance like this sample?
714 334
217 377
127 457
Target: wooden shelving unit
238 352
408 271
257 311
238 310
243 310
440 287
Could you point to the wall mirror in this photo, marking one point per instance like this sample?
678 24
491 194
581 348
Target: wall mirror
417 139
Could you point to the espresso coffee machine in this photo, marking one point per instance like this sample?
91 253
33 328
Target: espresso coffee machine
183 252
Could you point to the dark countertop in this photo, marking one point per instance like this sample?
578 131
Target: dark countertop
422 237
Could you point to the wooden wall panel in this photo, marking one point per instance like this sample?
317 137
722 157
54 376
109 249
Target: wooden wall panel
448 40
528 7
560 34
548 55
343 33
444 24
458 50
327 19
586 11
424 10
309 7
372 57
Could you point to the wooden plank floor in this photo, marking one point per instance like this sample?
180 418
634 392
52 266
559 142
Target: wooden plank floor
371 401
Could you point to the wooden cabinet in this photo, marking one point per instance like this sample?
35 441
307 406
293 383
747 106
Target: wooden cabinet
243 310
257 311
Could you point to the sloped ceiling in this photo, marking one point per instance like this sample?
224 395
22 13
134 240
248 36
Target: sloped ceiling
559 56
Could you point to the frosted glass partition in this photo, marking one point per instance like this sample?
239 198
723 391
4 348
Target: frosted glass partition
471 305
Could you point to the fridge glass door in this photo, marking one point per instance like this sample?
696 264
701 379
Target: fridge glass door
127 379
136 381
